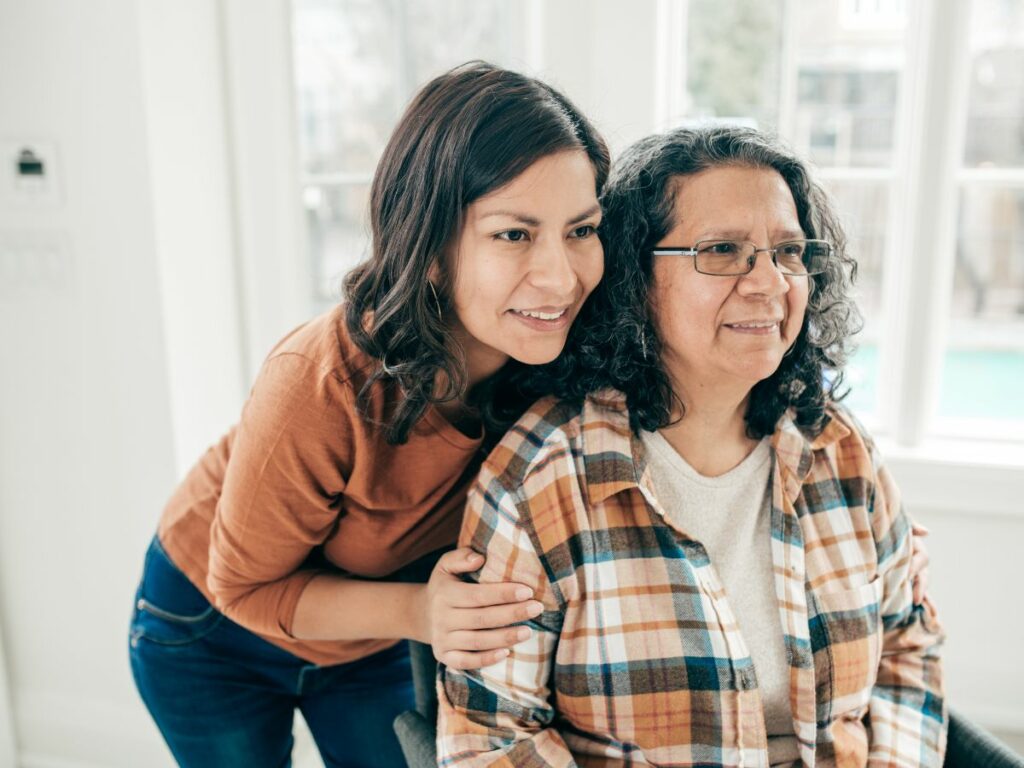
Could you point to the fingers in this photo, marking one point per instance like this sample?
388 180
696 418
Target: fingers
920 587
919 555
920 584
919 530
461 560
459 594
467 660
462 595
494 616
488 640
919 575
463 646
919 560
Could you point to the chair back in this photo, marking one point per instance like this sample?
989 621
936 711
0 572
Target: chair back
417 729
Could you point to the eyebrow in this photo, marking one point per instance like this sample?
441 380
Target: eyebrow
736 234
534 222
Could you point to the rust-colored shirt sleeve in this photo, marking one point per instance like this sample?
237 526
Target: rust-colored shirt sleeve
290 460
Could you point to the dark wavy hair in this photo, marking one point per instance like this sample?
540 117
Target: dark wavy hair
465 134
615 344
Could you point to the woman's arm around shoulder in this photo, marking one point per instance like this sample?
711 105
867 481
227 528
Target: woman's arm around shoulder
503 714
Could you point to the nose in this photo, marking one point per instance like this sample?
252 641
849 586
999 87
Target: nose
765 278
552 270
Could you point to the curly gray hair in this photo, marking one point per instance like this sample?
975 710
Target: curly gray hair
605 348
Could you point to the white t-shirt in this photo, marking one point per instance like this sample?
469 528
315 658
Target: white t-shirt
731 516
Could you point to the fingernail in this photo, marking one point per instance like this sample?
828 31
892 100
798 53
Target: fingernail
473 558
502 653
523 633
534 608
524 593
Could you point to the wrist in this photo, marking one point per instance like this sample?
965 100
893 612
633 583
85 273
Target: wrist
413 604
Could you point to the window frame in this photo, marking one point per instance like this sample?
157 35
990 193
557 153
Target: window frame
524 48
275 282
924 185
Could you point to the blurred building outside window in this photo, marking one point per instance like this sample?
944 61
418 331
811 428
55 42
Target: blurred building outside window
984 360
827 76
357 63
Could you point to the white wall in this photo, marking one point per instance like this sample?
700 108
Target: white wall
601 53
125 358
972 503
184 97
129 95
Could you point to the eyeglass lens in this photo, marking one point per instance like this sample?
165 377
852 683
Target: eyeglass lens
728 257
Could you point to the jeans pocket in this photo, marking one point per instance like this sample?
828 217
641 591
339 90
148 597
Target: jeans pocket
169 610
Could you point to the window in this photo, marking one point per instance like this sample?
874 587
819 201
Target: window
832 78
984 358
846 63
842 81
357 63
826 76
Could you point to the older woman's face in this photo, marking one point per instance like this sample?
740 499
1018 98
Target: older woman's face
728 330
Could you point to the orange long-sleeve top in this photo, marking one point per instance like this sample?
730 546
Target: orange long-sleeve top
305 484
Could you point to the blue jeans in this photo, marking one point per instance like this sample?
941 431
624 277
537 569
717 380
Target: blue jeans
224 697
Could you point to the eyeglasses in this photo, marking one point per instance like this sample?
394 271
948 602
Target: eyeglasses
737 257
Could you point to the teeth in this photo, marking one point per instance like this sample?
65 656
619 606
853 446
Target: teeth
541 315
753 325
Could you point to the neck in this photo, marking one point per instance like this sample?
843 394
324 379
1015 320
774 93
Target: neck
712 432
482 362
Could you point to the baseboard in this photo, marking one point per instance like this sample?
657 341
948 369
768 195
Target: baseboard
31 760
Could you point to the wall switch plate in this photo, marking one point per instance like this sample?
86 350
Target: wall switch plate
34 265
29 174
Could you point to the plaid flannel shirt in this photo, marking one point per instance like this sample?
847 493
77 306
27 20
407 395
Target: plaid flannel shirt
638 659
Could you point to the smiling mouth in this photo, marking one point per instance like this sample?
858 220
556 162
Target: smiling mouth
754 325
540 315
757 328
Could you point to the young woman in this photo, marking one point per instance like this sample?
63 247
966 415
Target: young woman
722 557
275 581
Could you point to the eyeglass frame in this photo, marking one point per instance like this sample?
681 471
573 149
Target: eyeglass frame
693 250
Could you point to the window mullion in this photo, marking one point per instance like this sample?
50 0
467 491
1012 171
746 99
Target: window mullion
403 60
934 110
787 74
670 76
534 32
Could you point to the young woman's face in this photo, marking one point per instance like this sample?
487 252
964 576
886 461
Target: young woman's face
728 329
526 259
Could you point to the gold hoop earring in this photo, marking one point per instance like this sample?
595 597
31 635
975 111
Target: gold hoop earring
437 302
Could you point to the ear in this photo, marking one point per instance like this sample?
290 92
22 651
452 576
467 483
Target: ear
434 273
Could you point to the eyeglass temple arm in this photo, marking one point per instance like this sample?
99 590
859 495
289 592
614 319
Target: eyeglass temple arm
674 252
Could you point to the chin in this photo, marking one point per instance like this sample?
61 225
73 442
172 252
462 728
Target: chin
759 370
539 354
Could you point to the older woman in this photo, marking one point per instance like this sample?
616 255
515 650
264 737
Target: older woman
723 560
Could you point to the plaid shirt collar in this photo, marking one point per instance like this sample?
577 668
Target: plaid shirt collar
615 461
